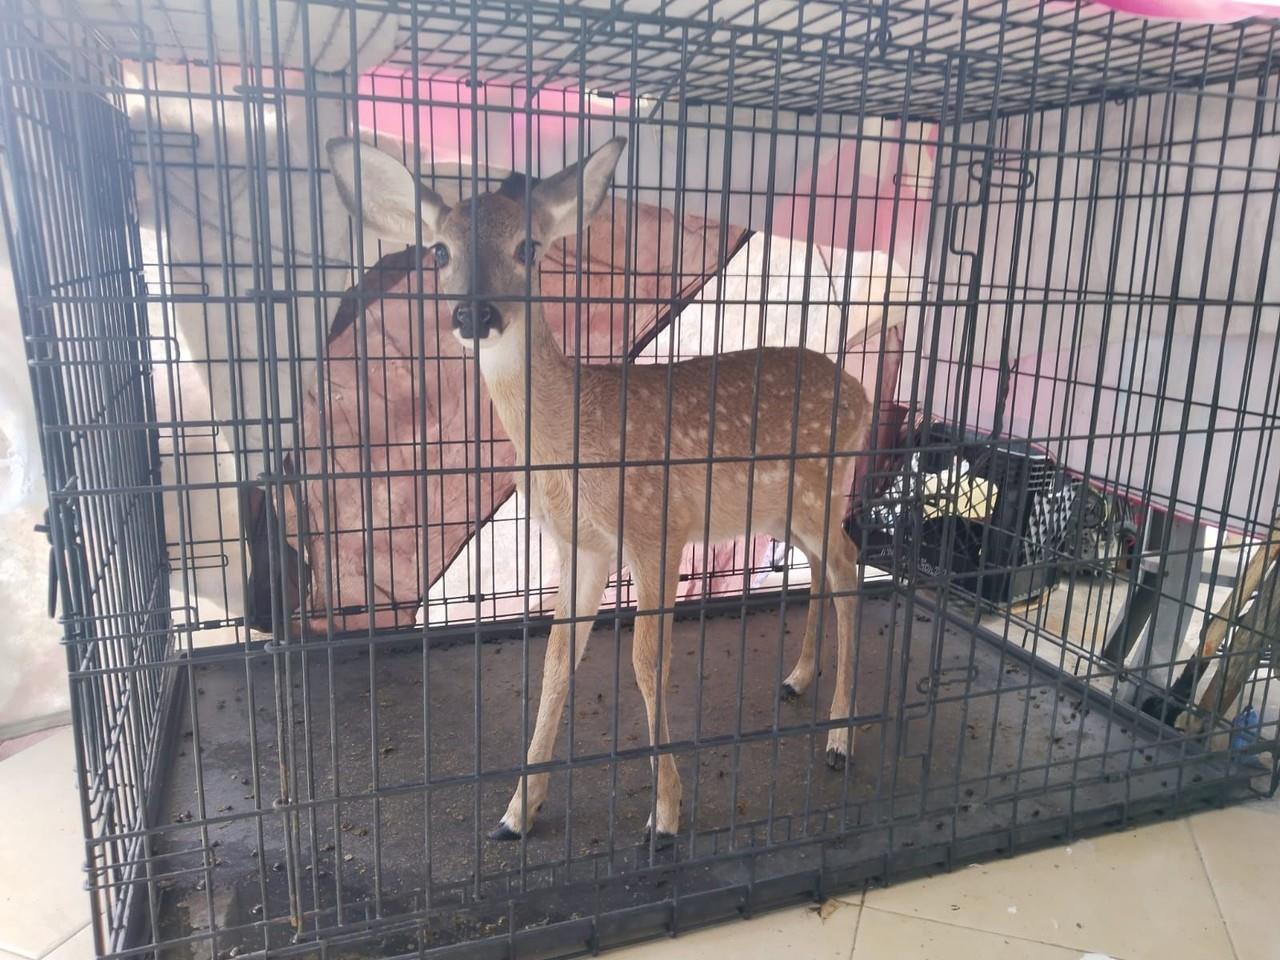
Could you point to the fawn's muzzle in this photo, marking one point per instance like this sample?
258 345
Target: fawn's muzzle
475 320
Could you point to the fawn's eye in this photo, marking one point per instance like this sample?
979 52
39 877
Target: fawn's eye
440 253
527 252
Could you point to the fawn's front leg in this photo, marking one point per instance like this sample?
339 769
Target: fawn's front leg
581 603
651 660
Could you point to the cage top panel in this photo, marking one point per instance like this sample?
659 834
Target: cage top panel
926 59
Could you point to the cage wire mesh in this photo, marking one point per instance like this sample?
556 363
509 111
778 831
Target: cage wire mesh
306 580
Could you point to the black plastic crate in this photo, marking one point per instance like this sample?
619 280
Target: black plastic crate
984 517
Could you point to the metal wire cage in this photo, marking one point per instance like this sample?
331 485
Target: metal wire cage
306 581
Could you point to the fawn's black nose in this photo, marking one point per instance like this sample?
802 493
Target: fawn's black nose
475 320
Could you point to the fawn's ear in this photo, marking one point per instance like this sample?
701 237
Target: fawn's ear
556 200
392 201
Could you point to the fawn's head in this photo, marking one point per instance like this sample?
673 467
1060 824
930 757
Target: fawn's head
486 249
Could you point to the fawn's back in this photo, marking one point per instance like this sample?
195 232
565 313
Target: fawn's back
735 417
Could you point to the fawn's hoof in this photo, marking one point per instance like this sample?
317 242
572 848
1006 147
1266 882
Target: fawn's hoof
503 833
835 759
661 840
788 693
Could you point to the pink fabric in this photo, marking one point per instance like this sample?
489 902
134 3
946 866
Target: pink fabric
455 127
398 360
1192 11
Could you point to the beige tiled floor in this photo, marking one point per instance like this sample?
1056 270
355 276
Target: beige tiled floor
44 910
1199 889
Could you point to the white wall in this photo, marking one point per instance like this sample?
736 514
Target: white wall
1093 267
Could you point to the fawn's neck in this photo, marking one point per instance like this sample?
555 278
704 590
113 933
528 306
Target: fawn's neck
528 350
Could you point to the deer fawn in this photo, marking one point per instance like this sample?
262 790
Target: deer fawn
487 251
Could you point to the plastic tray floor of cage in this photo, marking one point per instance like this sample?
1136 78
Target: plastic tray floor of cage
981 750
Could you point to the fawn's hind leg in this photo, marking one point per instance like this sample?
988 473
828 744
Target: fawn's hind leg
806 668
839 577
842 574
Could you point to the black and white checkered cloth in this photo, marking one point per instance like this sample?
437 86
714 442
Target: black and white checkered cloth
1049 523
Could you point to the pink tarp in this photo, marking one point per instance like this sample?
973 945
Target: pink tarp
1193 11
871 174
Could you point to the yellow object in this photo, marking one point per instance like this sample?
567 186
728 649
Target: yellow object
955 492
